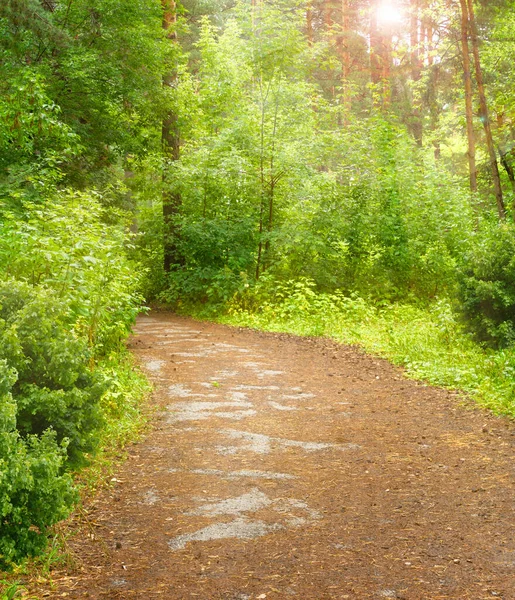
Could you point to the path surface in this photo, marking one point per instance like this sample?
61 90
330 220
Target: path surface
293 468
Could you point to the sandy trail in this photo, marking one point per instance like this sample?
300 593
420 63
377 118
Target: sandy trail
281 467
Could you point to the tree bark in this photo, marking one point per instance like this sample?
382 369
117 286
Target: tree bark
469 113
434 109
170 138
328 13
49 5
505 153
375 50
381 58
309 22
507 167
501 209
346 59
386 74
429 43
416 70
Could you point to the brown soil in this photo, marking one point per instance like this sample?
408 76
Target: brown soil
282 467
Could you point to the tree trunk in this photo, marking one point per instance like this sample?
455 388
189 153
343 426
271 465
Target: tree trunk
49 5
508 168
505 153
416 71
434 109
375 50
429 43
270 222
170 139
381 58
329 22
328 13
309 22
469 113
386 75
501 209
262 195
345 58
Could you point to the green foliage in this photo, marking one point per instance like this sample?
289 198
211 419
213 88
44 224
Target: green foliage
74 308
67 246
80 104
95 72
34 142
487 280
375 223
219 255
275 189
68 297
55 388
275 184
10 590
34 492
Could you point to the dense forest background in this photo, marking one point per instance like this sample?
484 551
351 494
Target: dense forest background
341 168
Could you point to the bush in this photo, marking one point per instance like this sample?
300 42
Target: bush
68 297
217 259
487 284
67 246
34 492
55 389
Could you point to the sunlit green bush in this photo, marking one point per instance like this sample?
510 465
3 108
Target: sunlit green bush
66 245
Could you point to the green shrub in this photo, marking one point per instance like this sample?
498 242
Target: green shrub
67 246
55 388
487 284
217 258
34 492
68 297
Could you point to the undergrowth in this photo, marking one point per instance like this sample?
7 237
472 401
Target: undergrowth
125 415
430 342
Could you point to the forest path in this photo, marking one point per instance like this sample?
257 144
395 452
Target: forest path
282 467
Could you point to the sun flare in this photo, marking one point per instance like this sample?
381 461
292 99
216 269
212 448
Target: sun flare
388 13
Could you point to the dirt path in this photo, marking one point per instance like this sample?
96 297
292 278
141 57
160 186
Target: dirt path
293 468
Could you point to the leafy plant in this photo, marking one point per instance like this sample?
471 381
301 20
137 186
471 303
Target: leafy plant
10 590
55 388
34 492
487 284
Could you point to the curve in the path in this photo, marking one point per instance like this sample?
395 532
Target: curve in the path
281 467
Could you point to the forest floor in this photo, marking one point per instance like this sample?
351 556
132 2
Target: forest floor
281 467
